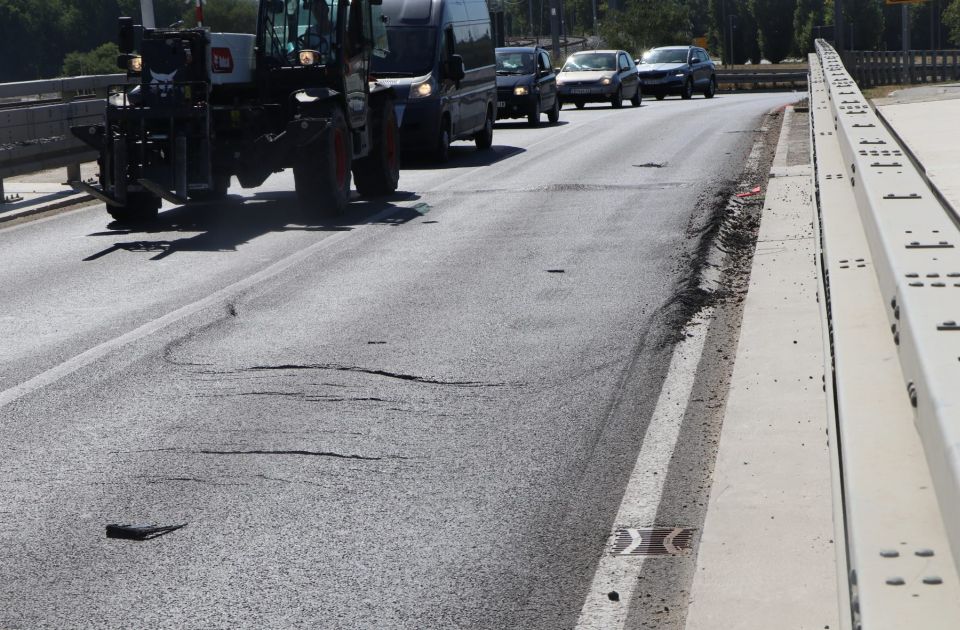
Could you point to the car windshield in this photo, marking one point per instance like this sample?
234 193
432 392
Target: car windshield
411 52
667 55
515 63
296 25
587 62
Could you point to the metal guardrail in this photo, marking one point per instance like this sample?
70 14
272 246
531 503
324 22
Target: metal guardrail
891 67
35 121
914 242
762 76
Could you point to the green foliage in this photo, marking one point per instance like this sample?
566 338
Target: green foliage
226 16
808 15
644 24
742 40
100 60
951 19
42 38
775 27
866 16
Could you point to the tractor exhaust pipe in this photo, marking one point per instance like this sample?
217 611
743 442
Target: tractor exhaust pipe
147 16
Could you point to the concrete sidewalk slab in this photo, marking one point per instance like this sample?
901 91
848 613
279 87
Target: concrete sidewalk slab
767 554
925 119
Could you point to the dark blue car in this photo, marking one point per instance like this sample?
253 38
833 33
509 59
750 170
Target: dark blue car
526 85
680 70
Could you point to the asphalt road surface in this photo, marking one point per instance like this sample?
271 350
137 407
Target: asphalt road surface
419 415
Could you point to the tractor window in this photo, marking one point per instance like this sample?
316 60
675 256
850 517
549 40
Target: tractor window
294 25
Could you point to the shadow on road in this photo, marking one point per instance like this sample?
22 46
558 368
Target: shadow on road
462 155
225 225
519 123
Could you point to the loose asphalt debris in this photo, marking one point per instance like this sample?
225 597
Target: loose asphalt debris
140 532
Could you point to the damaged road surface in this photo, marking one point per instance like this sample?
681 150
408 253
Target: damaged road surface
380 421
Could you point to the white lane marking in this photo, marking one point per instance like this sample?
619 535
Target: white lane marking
619 572
87 357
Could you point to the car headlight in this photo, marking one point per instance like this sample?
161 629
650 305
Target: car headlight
309 57
605 81
521 90
135 64
422 89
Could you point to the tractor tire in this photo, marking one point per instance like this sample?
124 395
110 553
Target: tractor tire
141 208
322 172
378 173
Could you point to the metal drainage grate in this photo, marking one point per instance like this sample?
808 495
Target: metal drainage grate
652 541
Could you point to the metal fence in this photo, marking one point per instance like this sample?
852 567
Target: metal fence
888 67
35 121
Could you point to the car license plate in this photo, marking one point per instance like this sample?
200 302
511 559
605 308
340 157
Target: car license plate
501 104
580 91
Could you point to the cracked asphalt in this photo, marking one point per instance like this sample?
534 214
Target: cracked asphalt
419 415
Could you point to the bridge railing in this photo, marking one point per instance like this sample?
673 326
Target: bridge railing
870 68
35 121
914 243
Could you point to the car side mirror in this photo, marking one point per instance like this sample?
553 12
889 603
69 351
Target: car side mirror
457 69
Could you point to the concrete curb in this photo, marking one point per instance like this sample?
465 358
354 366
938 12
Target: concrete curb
57 204
767 555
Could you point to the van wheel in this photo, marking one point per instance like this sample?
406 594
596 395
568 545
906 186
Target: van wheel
378 173
142 207
321 174
484 137
442 151
554 114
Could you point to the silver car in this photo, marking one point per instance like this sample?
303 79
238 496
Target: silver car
599 76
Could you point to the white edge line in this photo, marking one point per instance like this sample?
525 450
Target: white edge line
644 491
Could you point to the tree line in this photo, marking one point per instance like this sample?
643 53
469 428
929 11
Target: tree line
739 31
42 39
48 38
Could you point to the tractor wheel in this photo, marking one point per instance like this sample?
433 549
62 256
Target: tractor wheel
322 172
142 207
378 173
